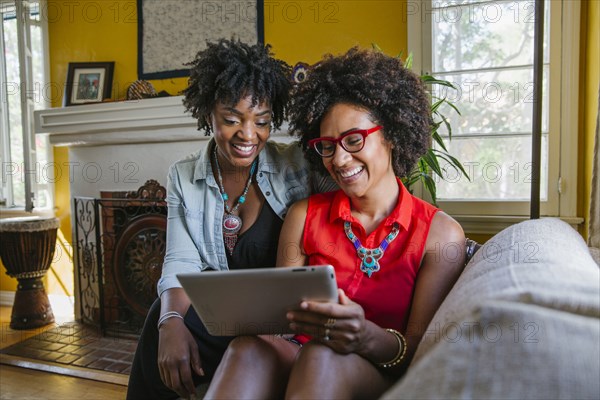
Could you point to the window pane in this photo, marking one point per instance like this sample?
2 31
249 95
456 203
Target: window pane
14 110
44 174
493 34
493 102
37 61
499 168
13 167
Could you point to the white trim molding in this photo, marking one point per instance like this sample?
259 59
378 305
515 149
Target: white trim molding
140 121
569 106
7 298
492 224
157 120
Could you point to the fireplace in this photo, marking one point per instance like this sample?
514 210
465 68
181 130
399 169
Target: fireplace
113 148
119 245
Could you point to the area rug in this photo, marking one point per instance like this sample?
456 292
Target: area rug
76 350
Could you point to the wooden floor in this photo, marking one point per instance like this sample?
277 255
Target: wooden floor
21 383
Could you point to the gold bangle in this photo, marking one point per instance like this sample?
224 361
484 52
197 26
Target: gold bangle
401 350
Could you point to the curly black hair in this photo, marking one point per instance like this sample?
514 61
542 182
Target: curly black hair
393 96
229 70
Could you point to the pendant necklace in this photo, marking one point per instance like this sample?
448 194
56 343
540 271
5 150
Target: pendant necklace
370 257
232 223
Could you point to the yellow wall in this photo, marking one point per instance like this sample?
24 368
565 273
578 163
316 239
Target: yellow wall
91 30
306 30
590 87
7 283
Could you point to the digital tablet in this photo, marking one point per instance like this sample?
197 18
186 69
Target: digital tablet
255 301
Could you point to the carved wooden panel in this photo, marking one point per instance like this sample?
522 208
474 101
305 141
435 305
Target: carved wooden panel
133 241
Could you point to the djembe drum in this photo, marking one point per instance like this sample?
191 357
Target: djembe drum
26 248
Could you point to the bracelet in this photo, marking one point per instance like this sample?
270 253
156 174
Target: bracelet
401 350
166 316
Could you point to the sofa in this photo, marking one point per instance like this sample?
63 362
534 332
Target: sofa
521 322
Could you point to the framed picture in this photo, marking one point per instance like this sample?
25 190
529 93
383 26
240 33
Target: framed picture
170 33
88 82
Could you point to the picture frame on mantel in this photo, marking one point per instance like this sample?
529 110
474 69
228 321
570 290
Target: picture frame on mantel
88 82
170 33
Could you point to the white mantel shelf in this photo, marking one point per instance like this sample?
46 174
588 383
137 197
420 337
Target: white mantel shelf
158 120
161 119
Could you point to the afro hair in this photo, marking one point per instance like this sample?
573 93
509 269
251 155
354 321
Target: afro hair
229 70
394 97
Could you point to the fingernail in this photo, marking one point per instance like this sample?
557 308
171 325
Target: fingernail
304 305
289 316
201 372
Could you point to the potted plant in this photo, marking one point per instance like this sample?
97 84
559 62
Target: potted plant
429 163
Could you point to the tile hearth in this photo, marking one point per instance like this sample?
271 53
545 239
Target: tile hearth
76 345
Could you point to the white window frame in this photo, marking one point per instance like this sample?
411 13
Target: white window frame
30 92
489 217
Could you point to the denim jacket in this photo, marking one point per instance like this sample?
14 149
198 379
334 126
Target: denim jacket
195 206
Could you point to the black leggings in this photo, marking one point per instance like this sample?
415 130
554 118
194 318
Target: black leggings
144 380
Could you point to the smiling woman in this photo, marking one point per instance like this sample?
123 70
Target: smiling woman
226 204
241 133
365 119
254 122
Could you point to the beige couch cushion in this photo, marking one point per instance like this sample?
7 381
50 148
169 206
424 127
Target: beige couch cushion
523 321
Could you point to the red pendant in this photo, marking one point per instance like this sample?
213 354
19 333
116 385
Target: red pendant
231 226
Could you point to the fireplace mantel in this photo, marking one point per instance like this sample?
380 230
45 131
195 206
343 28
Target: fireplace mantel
156 120
161 119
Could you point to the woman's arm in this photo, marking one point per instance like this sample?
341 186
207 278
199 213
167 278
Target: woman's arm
290 251
178 352
442 264
181 253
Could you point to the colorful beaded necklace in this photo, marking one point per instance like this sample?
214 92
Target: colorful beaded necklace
370 257
232 223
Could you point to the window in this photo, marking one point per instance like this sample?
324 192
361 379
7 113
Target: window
23 69
486 49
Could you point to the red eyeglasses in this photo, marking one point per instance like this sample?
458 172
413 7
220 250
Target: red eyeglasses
352 142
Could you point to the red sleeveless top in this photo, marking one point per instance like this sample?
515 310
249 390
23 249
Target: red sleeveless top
385 296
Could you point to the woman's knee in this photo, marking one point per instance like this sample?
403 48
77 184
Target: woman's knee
266 350
248 347
316 353
320 371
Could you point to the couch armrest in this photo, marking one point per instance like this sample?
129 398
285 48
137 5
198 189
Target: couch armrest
522 321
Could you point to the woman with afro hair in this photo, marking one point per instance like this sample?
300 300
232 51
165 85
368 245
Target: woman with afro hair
365 119
226 205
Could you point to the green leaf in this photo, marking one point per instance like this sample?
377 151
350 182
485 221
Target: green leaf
458 164
448 127
434 81
443 157
432 162
438 139
451 104
376 47
409 60
430 186
410 180
452 161
437 105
